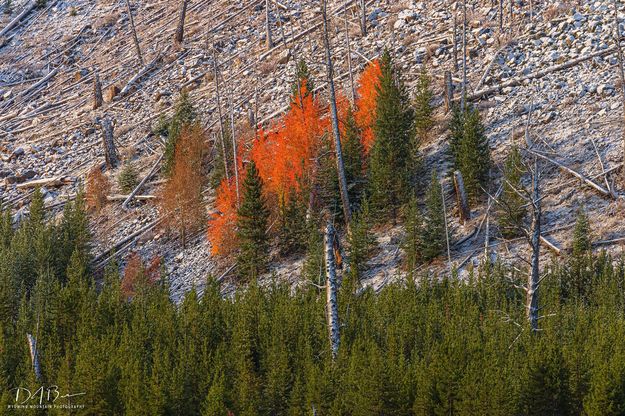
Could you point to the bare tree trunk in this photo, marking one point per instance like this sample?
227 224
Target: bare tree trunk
455 35
97 91
134 33
332 310
449 91
335 121
446 228
534 235
108 143
220 115
268 39
619 52
500 15
464 55
34 355
180 29
461 195
234 149
349 61
363 17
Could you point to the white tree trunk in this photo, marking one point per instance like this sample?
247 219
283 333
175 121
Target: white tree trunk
332 310
531 304
34 355
335 121
268 38
134 33
461 196
220 115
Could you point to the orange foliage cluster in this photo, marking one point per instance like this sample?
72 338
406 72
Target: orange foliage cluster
136 272
367 98
181 198
98 187
285 155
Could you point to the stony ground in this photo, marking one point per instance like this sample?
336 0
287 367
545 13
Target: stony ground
48 129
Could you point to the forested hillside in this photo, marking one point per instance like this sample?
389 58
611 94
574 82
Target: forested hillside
312 207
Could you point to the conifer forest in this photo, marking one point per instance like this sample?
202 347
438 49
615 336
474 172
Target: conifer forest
312 207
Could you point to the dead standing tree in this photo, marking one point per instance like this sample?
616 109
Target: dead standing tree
268 38
108 143
335 120
363 17
619 53
179 35
134 33
331 286
97 91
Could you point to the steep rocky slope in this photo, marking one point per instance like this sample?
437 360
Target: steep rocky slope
48 126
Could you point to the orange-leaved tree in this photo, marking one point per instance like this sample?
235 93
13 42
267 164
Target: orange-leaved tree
98 187
222 224
181 200
367 101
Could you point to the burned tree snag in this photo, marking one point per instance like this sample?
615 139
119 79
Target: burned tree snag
97 91
449 91
34 355
455 36
534 236
363 17
268 38
461 196
332 310
335 121
464 55
220 115
108 143
234 148
352 88
619 53
134 33
179 35
500 15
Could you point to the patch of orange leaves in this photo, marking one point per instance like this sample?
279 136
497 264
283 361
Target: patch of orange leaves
366 103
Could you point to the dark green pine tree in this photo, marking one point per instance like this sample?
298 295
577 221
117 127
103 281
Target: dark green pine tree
361 241
469 148
302 78
391 161
412 244
433 236
314 262
578 284
423 106
184 115
511 208
252 226
582 244
353 158
293 225
128 178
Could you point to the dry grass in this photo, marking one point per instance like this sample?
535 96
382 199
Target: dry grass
556 10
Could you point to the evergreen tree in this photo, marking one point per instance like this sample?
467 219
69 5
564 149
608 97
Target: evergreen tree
423 106
293 225
469 148
433 237
412 244
578 284
391 159
353 158
128 178
511 206
184 115
252 226
314 261
302 77
361 241
582 244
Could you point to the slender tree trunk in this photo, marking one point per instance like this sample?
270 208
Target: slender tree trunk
446 227
180 29
455 40
349 61
464 55
449 90
461 196
220 115
268 38
332 310
363 17
34 355
108 143
619 52
335 121
97 91
134 33
234 150
535 234
500 15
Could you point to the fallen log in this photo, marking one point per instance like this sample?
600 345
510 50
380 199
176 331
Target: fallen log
539 74
551 246
49 182
140 74
113 198
29 7
578 175
138 187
